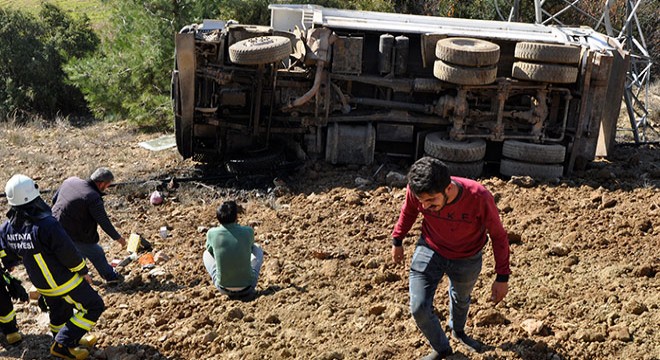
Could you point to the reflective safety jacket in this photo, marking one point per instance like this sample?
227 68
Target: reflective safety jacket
51 260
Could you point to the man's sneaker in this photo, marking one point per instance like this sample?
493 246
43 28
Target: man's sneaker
434 355
63 352
472 344
88 340
118 279
13 338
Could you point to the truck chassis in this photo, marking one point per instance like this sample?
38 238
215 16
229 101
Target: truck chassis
524 99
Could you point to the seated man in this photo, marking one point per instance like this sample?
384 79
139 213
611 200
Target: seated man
232 258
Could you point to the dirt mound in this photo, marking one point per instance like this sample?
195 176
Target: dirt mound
585 261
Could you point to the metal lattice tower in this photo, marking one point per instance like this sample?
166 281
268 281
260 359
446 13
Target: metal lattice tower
630 35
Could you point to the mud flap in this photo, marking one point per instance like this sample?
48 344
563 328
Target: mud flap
185 59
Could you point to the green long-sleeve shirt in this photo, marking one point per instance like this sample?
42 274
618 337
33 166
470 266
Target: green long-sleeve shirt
231 246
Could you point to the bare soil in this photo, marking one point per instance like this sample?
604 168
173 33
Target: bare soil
585 259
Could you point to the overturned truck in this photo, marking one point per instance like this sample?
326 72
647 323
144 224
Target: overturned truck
483 96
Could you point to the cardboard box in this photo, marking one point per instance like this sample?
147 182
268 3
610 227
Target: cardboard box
133 243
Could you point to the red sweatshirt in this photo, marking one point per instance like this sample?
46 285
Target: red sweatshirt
459 229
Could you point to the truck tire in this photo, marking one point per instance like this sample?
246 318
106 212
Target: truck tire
470 170
183 115
183 141
438 145
539 171
462 75
548 53
183 136
550 73
534 153
467 51
255 163
260 50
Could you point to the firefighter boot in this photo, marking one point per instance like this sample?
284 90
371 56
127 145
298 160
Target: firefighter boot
88 340
13 338
63 352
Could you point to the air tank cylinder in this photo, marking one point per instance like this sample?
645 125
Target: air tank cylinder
401 48
385 46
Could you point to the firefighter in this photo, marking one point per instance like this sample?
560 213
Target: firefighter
8 324
54 266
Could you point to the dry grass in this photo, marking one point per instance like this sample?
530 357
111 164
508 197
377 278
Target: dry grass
652 131
96 10
35 148
654 103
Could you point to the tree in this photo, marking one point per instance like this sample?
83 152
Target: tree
32 52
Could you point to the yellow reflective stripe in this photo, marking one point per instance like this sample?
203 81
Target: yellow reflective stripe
79 267
64 288
8 318
81 322
56 328
78 318
44 270
3 253
75 304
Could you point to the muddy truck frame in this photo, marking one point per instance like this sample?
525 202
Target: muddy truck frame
345 85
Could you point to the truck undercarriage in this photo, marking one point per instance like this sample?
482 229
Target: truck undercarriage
331 83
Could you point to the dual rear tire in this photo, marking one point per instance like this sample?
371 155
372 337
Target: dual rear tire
466 61
542 161
463 158
550 63
466 158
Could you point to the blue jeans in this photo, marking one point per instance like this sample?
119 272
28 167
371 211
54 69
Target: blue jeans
426 271
256 260
95 254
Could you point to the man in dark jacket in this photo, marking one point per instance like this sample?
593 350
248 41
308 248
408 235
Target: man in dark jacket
54 266
78 206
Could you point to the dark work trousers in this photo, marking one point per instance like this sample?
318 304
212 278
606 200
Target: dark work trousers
70 325
7 314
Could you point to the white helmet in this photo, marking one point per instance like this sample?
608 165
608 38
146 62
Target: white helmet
20 190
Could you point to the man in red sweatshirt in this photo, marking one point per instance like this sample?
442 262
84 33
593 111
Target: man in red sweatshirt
459 215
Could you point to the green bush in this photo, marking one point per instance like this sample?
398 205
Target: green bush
129 77
124 68
32 52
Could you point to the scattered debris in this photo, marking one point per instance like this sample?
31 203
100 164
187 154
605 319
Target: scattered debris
395 179
161 143
156 198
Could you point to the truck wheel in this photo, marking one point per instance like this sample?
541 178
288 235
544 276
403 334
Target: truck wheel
182 135
183 92
470 170
467 51
438 145
548 53
462 75
534 153
260 50
255 162
550 73
182 127
540 171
